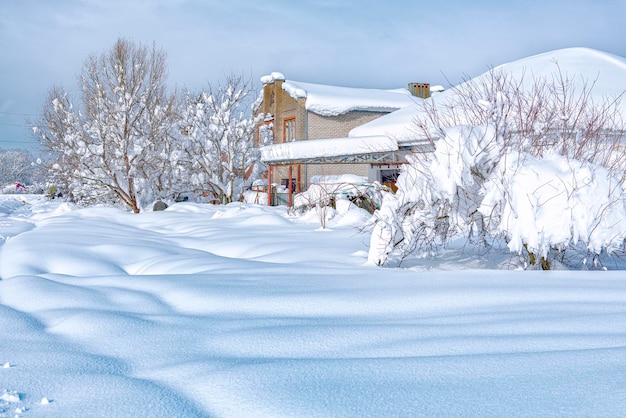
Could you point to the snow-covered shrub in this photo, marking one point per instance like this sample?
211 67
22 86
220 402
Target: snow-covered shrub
384 238
501 145
437 193
319 198
217 144
117 148
256 193
18 168
554 203
325 191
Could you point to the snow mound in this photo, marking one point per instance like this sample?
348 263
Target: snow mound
9 396
605 72
554 202
243 315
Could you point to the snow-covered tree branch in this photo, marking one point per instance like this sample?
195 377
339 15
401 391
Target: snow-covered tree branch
218 139
17 166
536 161
116 147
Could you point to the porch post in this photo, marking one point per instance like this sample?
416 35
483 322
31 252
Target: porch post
269 185
298 184
290 187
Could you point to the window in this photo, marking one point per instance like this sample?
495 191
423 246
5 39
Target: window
289 133
264 134
389 177
293 184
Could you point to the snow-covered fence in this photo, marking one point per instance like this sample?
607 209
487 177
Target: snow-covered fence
323 195
325 190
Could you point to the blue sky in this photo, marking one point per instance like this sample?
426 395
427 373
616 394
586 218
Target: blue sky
378 44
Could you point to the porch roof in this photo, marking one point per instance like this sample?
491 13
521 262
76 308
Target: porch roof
333 150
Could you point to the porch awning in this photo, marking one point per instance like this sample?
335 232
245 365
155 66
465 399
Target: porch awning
332 150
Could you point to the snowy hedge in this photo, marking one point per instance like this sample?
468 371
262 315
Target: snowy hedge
554 202
464 188
536 160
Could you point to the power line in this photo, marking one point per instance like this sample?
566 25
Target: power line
14 124
18 114
17 140
19 144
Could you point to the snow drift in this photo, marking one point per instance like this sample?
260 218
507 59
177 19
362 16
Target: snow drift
246 311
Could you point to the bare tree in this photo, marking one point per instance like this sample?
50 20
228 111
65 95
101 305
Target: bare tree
533 115
116 147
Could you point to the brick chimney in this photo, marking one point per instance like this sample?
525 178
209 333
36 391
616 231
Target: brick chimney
420 90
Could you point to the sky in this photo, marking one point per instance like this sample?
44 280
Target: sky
352 43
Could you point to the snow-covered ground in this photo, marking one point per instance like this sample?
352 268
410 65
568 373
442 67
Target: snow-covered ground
246 311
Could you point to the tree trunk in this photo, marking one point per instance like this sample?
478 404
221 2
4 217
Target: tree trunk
532 259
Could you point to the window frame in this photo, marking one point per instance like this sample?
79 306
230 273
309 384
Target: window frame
289 126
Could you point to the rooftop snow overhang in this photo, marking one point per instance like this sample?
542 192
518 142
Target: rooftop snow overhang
334 150
327 100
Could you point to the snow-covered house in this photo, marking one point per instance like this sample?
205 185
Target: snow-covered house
309 126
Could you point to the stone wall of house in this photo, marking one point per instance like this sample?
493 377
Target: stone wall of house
323 127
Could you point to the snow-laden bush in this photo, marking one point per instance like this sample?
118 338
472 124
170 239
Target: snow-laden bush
217 144
436 194
554 203
508 158
538 205
325 192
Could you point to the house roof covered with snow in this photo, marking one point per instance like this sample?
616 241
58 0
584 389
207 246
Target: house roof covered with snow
329 100
603 72
327 150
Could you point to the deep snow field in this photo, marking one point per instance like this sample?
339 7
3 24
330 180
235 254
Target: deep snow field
247 311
